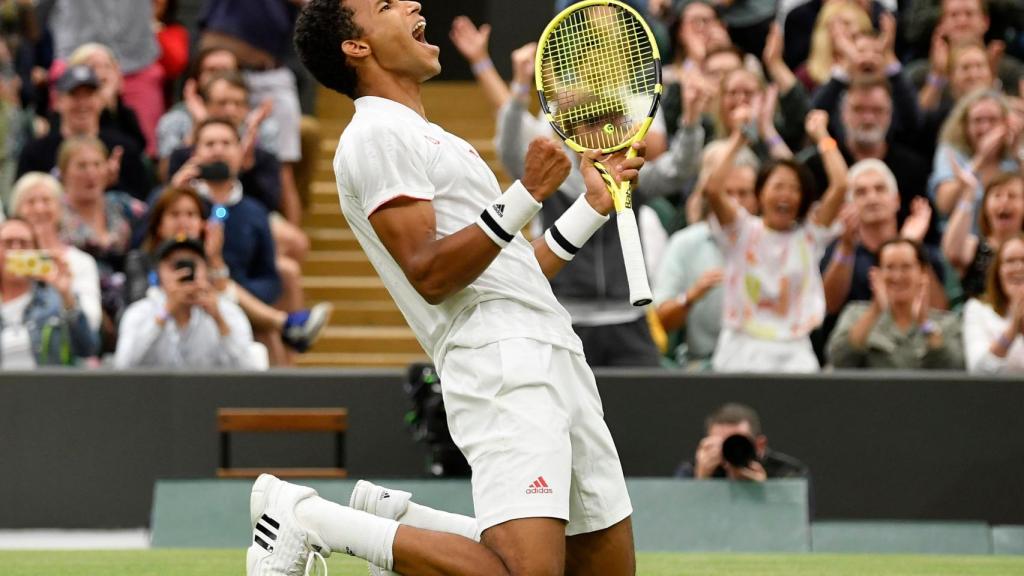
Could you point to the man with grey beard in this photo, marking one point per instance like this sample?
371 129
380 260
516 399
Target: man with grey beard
866 114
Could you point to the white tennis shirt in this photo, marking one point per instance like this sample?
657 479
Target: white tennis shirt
390 151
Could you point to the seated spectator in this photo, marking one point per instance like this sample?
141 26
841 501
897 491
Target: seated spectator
248 244
686 289
872 59
175 128
898 329
981 133
838 19
79 106
870 222
126 26
38 199
867 111
993 323
225 95
101 224
42 324
1001 218
773 291
799 27
745 104
735 448
962 22
185 323
116 115
955 73
260 35
180 211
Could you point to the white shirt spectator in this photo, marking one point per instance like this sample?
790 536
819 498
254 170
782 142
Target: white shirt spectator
983 326
143 343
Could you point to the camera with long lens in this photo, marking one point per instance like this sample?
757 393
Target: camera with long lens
739 451
428 422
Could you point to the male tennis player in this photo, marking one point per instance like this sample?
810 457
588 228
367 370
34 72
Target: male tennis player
548 489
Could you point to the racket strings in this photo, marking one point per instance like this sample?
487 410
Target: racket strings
598 70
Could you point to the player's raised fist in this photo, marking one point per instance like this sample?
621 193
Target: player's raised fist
546 168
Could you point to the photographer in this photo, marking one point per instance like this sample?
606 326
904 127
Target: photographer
734 448
41 322
184 324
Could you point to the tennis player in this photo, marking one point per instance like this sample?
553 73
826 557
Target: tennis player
522 404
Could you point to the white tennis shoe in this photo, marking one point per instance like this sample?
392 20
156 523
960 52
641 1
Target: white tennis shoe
382 502
280 545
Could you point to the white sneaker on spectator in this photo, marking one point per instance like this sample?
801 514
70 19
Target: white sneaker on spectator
382 502
281 546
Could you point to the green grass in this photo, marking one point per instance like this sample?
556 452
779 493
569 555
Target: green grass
232 562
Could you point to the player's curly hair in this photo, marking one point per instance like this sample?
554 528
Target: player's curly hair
322 26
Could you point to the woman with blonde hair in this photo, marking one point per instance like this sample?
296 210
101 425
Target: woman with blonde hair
837 19
38 199
746 104
97 222
981 134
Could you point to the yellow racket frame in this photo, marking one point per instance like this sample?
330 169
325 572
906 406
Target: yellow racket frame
539 80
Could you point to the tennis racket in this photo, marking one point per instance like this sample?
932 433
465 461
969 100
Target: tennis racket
598 73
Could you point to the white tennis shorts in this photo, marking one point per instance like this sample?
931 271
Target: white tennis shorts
528 418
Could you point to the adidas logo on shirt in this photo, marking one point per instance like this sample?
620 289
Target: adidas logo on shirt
539 486
266 532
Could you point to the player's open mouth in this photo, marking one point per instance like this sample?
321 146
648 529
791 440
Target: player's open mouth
419 32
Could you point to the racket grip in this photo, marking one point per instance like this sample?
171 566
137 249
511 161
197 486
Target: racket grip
632 254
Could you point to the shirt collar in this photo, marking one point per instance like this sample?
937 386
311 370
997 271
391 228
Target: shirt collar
236 192
382 106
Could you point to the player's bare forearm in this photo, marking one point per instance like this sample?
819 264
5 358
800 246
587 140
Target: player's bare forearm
436 267
549 262
835 196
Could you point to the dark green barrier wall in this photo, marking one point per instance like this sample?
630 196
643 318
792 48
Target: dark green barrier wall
84 449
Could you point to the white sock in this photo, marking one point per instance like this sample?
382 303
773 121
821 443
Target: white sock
419 516
350 531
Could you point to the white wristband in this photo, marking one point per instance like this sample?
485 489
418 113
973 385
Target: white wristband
508 215
573 228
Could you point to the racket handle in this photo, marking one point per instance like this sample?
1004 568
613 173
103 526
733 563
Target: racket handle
632 254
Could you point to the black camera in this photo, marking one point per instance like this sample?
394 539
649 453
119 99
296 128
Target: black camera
739 451
214 172
186 264
428 422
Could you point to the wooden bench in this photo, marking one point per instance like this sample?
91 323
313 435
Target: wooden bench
231 420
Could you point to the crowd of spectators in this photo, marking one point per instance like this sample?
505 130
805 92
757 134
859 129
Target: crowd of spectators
137 233
830 183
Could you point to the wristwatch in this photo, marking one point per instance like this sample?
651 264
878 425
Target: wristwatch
221 273
683 299
928 328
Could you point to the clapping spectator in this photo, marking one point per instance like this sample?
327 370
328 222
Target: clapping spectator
898 328
839 19
42 324
982 134
773 291
867 114
870 222
964 22
993 324
37 198
686 289
1001 218
185 323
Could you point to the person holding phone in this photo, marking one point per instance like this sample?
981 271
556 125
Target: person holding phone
41 323
185 323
